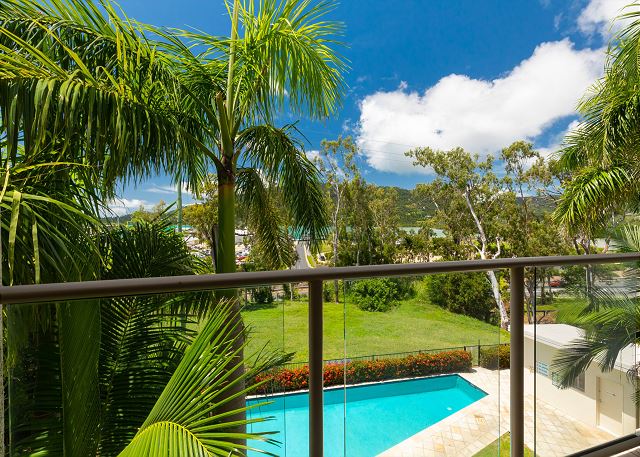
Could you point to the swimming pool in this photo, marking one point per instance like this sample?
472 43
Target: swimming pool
378 416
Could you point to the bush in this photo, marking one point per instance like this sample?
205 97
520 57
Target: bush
358 372
463 293
328 291
263 295
380 294
493 357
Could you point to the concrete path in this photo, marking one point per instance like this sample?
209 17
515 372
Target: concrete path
481 423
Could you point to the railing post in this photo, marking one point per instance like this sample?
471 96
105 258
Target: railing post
316 380
516 371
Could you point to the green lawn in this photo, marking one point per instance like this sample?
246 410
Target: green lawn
503 451
414 325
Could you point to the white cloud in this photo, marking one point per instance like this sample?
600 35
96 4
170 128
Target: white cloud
313 154
598 16
479 115
123 206
168 190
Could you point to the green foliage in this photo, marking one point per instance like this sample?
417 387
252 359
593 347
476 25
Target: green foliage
463 293
379 294
116 369
501 448
495 357
262 295
599 161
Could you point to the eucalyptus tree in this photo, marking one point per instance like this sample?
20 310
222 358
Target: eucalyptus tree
467 189
336 162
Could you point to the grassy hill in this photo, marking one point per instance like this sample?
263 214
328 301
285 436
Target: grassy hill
414 325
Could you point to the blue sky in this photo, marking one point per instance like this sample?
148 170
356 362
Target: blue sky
440 73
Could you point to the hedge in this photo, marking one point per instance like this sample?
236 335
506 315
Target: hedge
492 355
358 372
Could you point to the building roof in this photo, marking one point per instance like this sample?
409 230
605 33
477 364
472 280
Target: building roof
562 335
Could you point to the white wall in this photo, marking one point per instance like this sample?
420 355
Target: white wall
579 405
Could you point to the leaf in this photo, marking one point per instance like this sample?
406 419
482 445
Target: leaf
187 418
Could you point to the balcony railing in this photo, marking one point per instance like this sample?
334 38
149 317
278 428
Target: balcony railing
315 278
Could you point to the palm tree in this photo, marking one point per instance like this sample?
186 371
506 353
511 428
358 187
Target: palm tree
600 155
84 85
149 385
611 323
279 55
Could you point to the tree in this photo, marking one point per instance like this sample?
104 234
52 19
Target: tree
131 109
128 393
610 325
203 216
278 55
119 94
464 293
600 156
469 186
384 209
529 232
155 213
336 163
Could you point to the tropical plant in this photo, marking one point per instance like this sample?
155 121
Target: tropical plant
610 322
279 54
118 93
599 157
121 371
470 198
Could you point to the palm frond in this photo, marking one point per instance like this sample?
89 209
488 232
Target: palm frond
79 343
185 420
277 154
119 96
591 194
271 239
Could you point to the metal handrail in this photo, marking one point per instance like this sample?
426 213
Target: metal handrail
315 277
140 286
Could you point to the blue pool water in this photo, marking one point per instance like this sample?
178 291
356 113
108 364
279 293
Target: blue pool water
378 416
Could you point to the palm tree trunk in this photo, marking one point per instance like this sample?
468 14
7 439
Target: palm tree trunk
226 255
179 204
226 263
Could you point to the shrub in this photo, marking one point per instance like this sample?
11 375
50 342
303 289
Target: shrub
290 379
262 295
493 357
380 294
328 291
463 293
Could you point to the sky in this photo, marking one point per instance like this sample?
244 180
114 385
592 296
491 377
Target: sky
438 73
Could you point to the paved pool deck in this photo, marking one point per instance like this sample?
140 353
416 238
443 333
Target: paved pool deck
473 428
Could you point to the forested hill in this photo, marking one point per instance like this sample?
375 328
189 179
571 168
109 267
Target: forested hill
412 211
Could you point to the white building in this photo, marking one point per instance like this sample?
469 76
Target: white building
604 400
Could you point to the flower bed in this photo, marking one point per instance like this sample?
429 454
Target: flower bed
286 380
